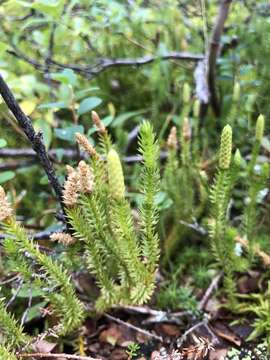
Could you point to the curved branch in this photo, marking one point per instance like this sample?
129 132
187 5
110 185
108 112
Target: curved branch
103 64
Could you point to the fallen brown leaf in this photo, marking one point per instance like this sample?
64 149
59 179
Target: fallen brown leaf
170 330
43 346
219 354
119 354
223 332
116 335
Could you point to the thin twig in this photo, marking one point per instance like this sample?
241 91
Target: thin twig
16 292
145 310
10 280
156 316
51 332
66 153
54 356
189 331
26 312
133 327
40 235
213 285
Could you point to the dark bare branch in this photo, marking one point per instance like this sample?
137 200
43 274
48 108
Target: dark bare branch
103 64
212 55
35 139
214 51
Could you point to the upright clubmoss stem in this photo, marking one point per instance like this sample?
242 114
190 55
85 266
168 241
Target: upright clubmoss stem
186 93
250 210
220 197
259 132
185 141
196 144
186 98
235 101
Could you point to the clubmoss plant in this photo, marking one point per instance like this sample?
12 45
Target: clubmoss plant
222 240
195 122
259 305
12 335
223 235
11 331
184 185
123 259
6 354
257 175
67 307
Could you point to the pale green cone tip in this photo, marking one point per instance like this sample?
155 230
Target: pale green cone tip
259 128
225 152
186 93
115 175
236 92
237 158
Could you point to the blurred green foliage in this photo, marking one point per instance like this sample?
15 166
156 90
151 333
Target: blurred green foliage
77 34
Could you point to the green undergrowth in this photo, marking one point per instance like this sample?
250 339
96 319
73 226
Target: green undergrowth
185 212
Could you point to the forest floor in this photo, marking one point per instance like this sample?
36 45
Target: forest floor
142 332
